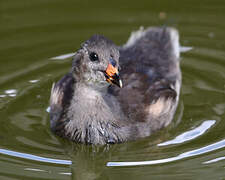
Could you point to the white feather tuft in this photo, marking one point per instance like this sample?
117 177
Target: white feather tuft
56 95
174 35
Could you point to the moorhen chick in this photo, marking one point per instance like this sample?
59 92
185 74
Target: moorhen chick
116 94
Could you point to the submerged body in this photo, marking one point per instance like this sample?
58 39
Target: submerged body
86 108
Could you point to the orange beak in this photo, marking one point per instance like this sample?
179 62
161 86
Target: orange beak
112 75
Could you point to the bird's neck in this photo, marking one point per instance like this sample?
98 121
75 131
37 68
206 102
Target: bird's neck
89 106
88 92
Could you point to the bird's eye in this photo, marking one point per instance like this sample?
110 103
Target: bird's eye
93 56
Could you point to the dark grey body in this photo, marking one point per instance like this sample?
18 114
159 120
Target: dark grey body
108 114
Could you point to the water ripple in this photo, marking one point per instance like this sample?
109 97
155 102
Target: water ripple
192 134
203 150
33 169
64 56
34 157
214 160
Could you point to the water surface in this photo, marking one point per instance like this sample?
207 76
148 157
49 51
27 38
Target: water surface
37 40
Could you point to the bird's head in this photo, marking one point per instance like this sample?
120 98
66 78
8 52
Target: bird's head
96 63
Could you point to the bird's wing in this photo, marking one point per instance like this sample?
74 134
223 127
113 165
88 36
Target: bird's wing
153 49
61 95
151 76
162 102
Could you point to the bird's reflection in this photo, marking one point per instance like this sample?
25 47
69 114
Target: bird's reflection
89 162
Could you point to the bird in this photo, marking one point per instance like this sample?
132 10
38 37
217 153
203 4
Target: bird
115 94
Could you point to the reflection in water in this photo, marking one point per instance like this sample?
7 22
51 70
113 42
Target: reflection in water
87 167
34 81
11 92
46 171
66 173
48 109
192 134
12 95
185 49
203 150
88 162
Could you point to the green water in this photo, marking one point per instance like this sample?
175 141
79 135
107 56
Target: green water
34 31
